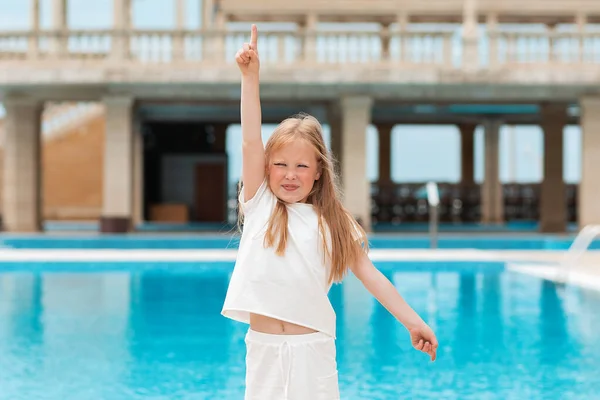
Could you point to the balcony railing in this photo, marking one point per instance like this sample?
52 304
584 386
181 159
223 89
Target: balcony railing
440 49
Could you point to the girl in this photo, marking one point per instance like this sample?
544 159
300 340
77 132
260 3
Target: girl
297 240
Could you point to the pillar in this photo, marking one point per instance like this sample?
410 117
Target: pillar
385 153
581 21
492 199
118 166
207 13
467 153
310 40
138 174
385 41
553 204
355 113
402 21
492 28
179 38
335 131
34 46
219 147
22 196
470 35
59 25
122 26
217 51
589 188
220 137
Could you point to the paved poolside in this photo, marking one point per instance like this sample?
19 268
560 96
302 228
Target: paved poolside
543 264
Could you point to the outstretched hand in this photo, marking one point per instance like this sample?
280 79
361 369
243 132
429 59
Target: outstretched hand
423 339
247 57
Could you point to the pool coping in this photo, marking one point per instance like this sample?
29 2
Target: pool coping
538 263
174 255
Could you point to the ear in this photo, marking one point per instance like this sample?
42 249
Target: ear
317 176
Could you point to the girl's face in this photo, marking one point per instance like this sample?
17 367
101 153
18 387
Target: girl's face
293 170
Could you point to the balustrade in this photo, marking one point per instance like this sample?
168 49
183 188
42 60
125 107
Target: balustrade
440 49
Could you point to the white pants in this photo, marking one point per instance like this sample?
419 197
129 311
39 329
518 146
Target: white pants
291 367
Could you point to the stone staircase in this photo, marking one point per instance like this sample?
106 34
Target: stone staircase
72 160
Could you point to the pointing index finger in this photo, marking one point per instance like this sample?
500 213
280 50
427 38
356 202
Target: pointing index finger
254 37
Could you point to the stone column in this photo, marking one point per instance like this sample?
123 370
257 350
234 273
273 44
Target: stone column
22 202
179 39
335 130
385 41
122 27
589 188
355 118
492 27
492 199
220 136
310 41
207 13
470 36
553 204
59 25
385 153
467 153
138 175
34 46
402 20
118 165
217 39
581 21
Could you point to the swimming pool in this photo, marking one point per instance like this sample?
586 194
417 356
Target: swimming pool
153 331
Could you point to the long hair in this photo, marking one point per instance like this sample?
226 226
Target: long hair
347 238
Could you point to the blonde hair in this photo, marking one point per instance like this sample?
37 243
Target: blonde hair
325 196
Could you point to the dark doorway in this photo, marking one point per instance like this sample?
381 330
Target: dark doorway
185 173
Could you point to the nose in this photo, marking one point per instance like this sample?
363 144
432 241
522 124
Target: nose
290 174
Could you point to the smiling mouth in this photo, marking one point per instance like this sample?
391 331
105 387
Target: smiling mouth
290 187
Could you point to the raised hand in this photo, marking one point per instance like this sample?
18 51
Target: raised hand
247 57
423 339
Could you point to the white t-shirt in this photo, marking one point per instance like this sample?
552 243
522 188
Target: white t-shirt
292 287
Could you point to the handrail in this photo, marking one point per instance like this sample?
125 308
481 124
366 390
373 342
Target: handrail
433 199
437 48
582 242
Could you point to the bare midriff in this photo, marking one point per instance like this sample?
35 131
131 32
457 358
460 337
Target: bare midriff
273 326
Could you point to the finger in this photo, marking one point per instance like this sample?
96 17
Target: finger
254 37
241 57
419 345
246 48
252 54
427 348
433 355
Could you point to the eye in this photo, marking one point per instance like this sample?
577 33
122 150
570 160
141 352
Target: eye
303 166
280 164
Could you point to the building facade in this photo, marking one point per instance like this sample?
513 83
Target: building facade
169 95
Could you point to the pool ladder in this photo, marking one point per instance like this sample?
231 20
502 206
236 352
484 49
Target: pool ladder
433 199
580 245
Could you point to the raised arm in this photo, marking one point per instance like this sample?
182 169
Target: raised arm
422 337
253 151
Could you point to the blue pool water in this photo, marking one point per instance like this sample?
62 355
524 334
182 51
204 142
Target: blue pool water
143 331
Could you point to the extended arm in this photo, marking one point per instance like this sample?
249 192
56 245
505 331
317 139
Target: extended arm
253 153
384 291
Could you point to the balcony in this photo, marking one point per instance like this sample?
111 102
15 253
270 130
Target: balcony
387 58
